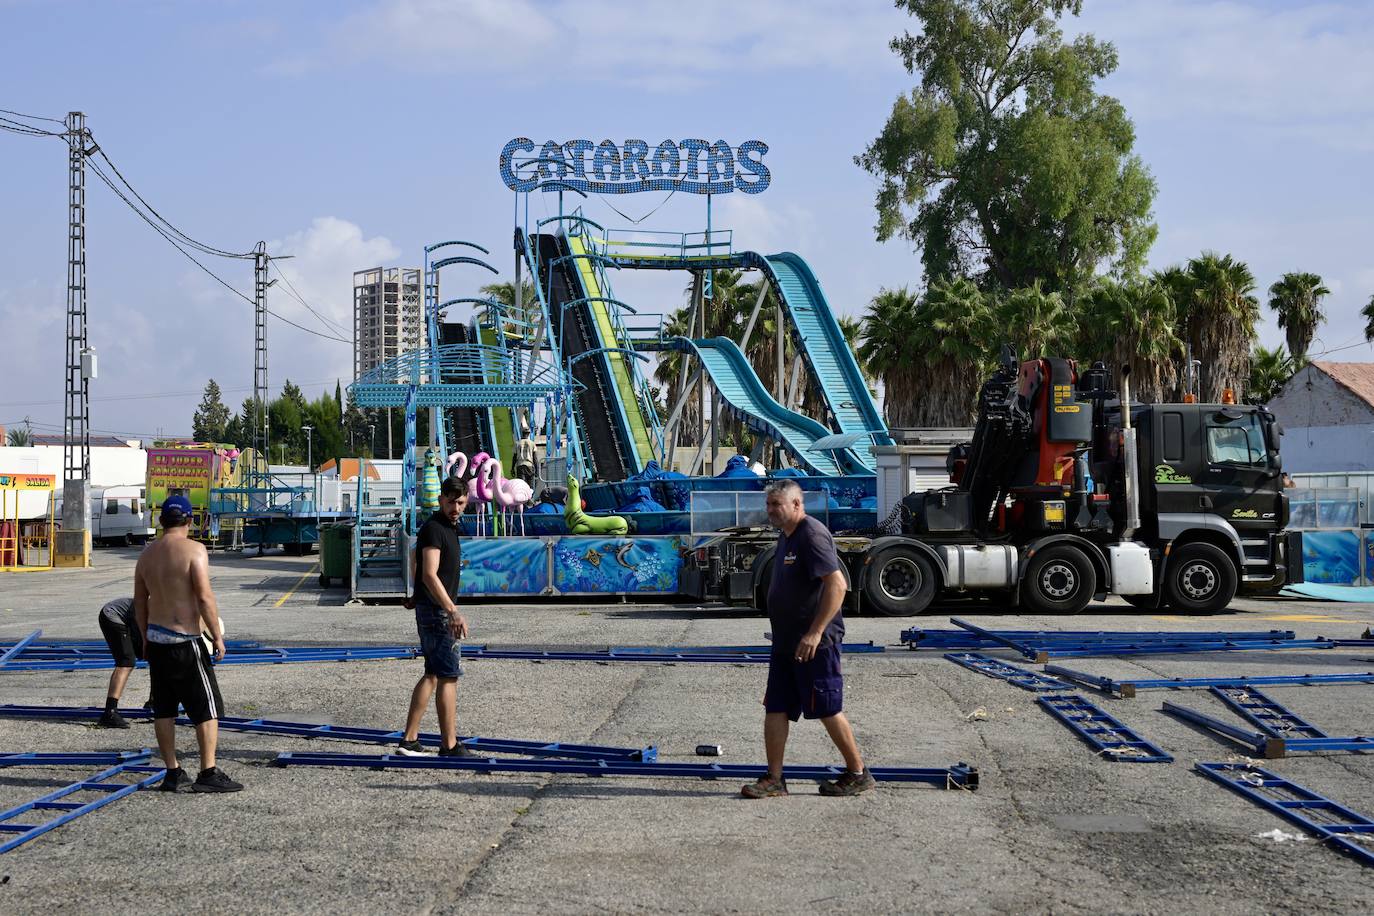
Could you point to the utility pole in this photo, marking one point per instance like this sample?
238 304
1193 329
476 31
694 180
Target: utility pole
76 431
260 284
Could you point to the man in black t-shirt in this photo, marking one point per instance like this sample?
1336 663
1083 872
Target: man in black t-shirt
804 679
438 563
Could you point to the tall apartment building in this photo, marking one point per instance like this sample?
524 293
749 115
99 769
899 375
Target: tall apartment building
388 317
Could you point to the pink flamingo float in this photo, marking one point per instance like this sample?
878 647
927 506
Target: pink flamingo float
480 490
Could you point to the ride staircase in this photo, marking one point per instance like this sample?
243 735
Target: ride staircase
379 550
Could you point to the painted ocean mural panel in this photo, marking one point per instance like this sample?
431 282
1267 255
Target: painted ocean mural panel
504 566
622 564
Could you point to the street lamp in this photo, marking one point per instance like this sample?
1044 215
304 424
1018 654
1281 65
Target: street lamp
372 439
309 463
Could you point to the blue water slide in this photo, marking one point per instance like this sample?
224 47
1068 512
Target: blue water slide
747 399
823 346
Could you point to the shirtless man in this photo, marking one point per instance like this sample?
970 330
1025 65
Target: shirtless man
173 602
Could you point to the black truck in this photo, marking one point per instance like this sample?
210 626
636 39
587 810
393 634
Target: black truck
1062 497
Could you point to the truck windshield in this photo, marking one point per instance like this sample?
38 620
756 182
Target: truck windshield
1238 441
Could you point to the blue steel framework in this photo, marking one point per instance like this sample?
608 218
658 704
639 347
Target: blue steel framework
959 776
1017 677
1333 822
104 783
1112 739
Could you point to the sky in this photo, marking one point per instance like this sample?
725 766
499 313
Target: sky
348 135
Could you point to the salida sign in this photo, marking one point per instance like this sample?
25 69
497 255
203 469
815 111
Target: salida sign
692 166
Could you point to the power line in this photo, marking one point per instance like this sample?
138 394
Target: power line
20 114
173 242
332 325
146 396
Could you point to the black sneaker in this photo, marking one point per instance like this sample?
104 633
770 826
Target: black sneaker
215 780
766 787
175 781
458 750
413 749
111 718
849 784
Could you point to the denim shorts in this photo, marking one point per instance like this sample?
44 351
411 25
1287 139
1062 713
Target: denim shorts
440 649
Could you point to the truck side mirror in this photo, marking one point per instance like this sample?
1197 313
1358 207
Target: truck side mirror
1272 433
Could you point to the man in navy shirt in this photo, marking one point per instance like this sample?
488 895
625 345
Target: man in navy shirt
804 677
438 563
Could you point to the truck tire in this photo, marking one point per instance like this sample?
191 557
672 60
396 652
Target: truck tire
1201 579
1059 579
901 581
761 591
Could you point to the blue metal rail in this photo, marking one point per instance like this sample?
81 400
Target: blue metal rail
75 758
18 648
21 833
1272 718
1108 735
1338 825
1017 677
1268 746
960 776
1127 688
350 733
746 399
922 638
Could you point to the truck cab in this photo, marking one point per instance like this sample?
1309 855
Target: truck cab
1212 474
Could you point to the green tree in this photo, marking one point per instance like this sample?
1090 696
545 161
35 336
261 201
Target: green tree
1035 322
327 432
1270 370
292 392
1132 324
931 352
1297 299
1218 309
1367 313
20 437
1004 164
211 420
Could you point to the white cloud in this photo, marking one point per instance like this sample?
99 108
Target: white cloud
1296 69
667 48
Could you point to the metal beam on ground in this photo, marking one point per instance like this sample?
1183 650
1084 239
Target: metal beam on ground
22 833
1271 718
1127 687
352 733
1338 825
75 758
963 639
1018 677
959 776
15 650
1112 739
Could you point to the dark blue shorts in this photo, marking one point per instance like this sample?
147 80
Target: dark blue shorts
436 641
813 689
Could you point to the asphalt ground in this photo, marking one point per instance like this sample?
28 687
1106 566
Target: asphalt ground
1052 829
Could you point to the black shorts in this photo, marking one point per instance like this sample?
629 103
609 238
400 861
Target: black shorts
125 644
183 675
814 689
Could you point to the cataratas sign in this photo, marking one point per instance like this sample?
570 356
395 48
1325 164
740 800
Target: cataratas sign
693 166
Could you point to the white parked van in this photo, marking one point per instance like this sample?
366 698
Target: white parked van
119 515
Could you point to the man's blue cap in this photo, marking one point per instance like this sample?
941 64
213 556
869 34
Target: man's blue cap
178 504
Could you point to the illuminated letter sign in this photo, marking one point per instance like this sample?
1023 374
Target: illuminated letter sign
693 166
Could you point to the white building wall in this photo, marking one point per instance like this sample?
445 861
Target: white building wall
1311 398
111 466
1324 449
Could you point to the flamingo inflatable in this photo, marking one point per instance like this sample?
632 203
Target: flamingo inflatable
479 489
517 495
456 460
509 495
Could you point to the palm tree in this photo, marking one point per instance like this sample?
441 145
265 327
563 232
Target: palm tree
19 438
1270 370
1297 299
1219 312
931 352
1132 324
1035 321
1367 313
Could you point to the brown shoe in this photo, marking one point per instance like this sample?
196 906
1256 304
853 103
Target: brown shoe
766 787
849 784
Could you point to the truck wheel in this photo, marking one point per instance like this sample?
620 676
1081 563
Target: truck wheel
901 581
761 592
1201 579
1059 580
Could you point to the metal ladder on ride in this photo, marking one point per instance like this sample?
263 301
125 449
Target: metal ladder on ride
378 543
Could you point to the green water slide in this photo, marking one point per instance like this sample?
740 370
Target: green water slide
621 371
502 424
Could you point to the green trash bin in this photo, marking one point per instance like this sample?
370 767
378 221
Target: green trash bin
336 554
